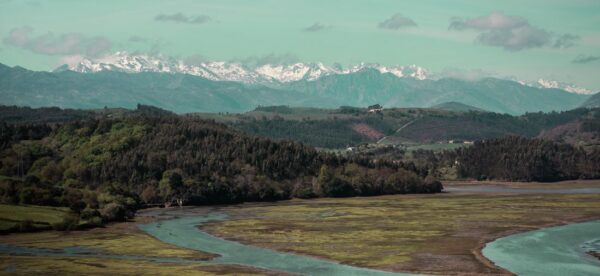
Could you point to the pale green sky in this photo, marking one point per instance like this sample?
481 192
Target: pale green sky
513 37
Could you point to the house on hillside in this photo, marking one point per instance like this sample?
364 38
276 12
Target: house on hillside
375 108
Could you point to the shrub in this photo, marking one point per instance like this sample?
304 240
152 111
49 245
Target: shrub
113 212
26 226
69 222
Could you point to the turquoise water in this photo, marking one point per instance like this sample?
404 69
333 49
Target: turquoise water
184 232
551 251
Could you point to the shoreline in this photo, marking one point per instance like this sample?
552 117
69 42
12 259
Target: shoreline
478 252
484 265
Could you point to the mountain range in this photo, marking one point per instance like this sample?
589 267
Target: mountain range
183 93
231 71
264 73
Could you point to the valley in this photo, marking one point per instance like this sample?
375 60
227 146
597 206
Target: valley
314 138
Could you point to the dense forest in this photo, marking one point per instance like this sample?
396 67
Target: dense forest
511 158
105 164
106 168
521 159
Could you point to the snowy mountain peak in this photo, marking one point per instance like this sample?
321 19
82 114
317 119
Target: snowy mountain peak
231 71
543 83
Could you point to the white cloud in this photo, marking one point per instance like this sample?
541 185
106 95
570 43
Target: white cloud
396 22
513 33
62 44
182 18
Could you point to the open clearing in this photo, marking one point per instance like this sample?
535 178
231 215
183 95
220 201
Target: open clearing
40 216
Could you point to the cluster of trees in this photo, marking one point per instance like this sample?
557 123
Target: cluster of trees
476 125
104 169
18 114
512 158
522 159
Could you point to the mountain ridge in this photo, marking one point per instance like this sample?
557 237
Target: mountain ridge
267 73
185 93
230 71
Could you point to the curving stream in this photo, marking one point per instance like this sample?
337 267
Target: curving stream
560 250
184 232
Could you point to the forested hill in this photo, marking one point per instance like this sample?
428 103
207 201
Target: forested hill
593 101
105 168
351 126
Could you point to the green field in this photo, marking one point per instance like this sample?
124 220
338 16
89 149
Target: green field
41 216
116 239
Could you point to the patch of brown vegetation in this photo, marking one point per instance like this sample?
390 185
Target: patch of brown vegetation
367 131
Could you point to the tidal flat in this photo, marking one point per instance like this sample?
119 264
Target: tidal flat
429 234
432 234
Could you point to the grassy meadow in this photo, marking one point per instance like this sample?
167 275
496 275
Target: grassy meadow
115 239
41 217
438 234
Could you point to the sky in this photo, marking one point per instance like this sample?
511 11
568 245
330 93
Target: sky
527 40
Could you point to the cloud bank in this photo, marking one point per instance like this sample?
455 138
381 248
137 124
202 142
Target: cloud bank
62 44
182 18
513 33
396 22
275 59
585 59
314 27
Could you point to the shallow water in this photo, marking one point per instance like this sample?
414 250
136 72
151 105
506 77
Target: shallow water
184 232
560 251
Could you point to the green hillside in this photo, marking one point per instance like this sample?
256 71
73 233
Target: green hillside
349 126
105 168
592 102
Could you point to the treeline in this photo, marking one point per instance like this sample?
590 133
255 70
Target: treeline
104 169
28 115
511 158
521 159
476 125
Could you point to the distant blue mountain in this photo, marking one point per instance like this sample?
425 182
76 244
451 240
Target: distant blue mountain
186 93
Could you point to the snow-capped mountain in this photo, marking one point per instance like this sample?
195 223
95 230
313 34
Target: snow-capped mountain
542 83
267 73
231 71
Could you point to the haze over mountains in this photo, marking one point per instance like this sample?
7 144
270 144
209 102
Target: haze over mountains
124 80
